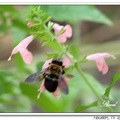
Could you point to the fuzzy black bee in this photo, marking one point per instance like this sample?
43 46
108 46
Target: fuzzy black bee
53 76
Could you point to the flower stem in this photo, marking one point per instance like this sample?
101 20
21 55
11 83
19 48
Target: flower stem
88 83
79 70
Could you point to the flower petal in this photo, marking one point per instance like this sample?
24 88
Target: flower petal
14 51
24 43
68 31
21 47
41 89
100 61
46 64
57 28
26 56
56 94
102 66
62 38
99 55
105 68
93 57
66 61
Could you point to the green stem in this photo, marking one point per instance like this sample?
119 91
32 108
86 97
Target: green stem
91 87
88 83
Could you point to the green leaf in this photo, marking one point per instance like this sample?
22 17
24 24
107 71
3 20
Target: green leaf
74 51
20 24
39 65
84 107
19 63
77 13
37 15
18 35
3 101
45 43
5 73
9 9
54 46
50 25
115 78
53 55
7 13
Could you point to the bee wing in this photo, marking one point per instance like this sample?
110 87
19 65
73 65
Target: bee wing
35 77
62 84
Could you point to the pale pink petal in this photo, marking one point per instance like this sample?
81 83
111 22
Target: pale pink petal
67 34
105 68
26 56
10 58
21 47
66 61
99 55
14 51
68 31
62 38
93 57
56 94
99 64
100 61
24 43
57 28
102 66
46 64
107 55
41 89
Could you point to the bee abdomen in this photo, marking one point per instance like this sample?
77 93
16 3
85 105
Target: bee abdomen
51 83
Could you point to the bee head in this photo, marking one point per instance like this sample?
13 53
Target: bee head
53 68
58 62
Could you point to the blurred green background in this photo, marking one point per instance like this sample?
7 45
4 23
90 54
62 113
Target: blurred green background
95 29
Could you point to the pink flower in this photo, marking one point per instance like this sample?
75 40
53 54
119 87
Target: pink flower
22 48
99 58
67 34
66 63
30 24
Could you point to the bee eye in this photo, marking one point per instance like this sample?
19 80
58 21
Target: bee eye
53 67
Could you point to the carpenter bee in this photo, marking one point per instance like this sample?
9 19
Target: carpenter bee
52 76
